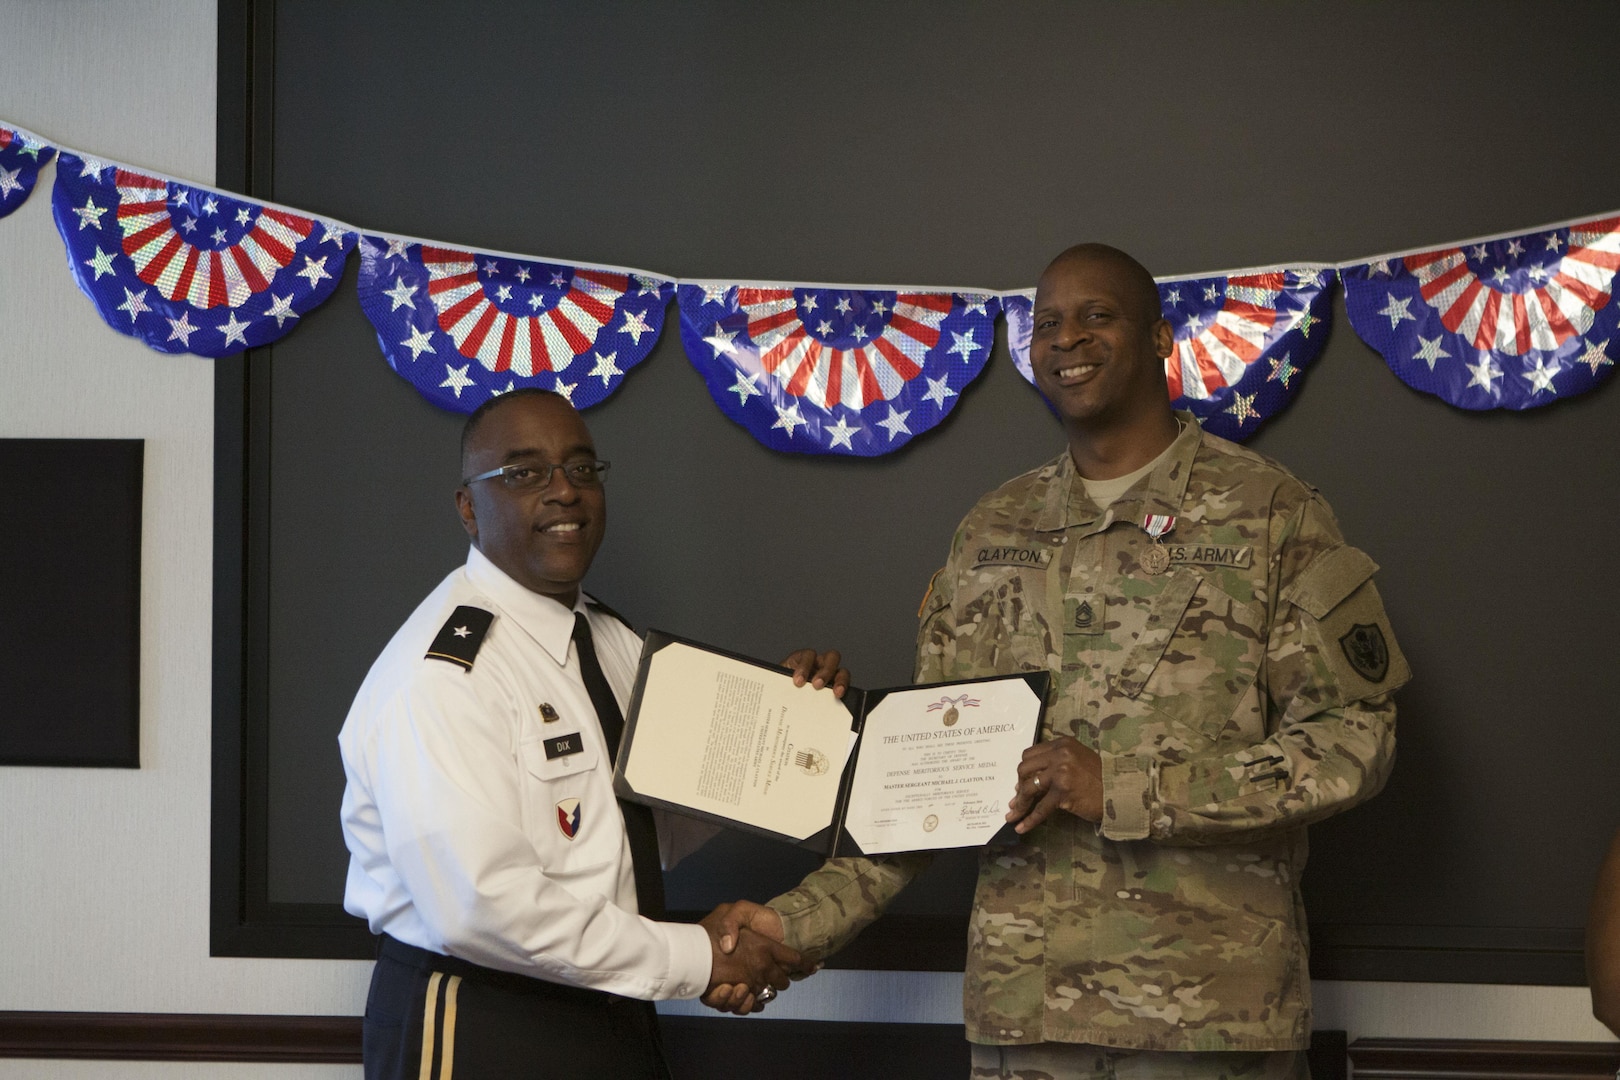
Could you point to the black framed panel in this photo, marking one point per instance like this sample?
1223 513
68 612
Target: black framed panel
70 591
925 149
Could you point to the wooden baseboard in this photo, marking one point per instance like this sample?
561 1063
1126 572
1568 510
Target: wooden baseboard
181 1037
1480 1059
335 1040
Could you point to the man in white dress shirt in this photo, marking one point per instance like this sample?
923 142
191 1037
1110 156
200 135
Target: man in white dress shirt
511 887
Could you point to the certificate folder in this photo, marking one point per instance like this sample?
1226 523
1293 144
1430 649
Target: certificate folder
729 739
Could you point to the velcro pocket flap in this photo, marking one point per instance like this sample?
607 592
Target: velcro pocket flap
1330 577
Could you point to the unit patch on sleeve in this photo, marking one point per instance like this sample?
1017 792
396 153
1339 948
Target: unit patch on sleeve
1364 647
461 636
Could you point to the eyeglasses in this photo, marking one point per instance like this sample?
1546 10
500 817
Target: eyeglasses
535 475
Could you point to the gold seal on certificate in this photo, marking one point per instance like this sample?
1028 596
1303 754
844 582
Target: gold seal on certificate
731 740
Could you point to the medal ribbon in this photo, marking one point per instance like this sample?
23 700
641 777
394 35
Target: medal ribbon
1156 525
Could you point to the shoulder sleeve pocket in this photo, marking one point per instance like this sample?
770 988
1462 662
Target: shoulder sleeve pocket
1329 579
1337 593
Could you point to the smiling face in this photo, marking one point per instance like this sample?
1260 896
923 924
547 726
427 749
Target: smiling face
1099 341
543 539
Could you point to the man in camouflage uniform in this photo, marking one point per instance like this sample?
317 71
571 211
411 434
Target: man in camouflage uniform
1211 698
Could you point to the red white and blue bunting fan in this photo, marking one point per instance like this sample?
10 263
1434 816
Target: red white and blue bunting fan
22 154
835 369
1507 322
1243 338
189 269
463 326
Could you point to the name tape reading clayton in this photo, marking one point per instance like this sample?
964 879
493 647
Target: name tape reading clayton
1237 556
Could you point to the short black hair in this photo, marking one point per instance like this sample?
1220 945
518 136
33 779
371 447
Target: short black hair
1144 290
476 417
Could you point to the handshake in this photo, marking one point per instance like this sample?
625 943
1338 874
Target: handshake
750 962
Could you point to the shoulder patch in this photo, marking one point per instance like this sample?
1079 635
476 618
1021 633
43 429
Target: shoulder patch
929 595
595 603
461 636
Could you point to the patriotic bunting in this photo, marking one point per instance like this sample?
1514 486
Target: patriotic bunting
188 269
1507 322
817 369
1513 322
1242 340
21 156
463 326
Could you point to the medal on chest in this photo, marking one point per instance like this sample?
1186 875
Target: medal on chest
1156 560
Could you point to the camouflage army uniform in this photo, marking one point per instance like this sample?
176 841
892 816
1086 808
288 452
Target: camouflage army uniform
1234 698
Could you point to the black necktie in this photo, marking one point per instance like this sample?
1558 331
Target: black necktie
638 819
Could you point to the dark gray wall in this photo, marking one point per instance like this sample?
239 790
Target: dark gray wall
963 144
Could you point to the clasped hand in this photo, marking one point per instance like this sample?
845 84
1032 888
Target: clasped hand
748 956
1059 774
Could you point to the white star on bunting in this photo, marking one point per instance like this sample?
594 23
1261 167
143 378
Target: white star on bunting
281 309
746 386
1430 351
788 419
635 324
134 303
1596 355
181 329
234 330
721 341
1541 376
9 181
89 214
895 423
937 391
456 378
101 264
314 269
420 341
1242 407
1483 373
841 434
1396 310
963 345
401 294
605 367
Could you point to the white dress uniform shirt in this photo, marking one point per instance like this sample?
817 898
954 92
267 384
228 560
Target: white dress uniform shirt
451 813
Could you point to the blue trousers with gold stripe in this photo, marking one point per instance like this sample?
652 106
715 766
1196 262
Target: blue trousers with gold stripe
432 1017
